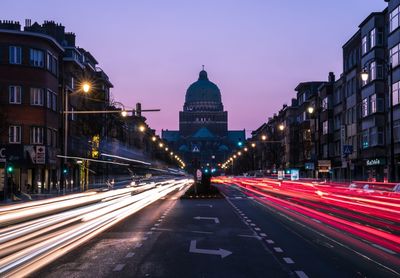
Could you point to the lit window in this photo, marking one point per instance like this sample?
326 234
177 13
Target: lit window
364 107
394 19
372 38
325 127
394 55
364 45
395 93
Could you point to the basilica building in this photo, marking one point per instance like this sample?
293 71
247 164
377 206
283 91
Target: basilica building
203 139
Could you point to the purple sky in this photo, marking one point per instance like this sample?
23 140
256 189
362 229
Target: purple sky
255 51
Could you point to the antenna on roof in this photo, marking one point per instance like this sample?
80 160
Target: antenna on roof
203 67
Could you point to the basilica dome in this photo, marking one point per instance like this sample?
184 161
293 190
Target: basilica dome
203 95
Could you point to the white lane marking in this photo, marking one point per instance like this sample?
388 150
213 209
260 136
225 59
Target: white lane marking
270 241
315 220
248 220
159 220
215 219
149 233
201 232
138 245
144 238
130 255
252 224
118 267
257 229
262 234
251 198
384 249
157 224
153 228
288 260
301 274
278 249
238 197
251 236
162 229
245 217
204 205
220 252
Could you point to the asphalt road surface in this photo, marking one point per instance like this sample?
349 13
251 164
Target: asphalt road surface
235 236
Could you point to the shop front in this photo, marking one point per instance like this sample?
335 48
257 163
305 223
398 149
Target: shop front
376 169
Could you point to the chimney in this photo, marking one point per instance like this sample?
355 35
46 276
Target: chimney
28 22
70 38
331 77
10 25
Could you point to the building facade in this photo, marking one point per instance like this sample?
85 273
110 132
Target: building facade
203 139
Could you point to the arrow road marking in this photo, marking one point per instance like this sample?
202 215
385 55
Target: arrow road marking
216 220
220 252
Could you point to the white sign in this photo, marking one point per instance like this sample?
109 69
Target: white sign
40 155
281 174
294 174
195 149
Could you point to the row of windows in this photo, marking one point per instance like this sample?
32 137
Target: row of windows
375 72
36 135
372 137
36 58
394 19
372 39
371 105
37 96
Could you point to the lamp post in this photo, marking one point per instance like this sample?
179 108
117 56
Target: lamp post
365 76
311 111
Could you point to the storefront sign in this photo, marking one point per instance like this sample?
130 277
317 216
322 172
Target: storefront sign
324 166
40 154
375 162
309 166
281 174
3 155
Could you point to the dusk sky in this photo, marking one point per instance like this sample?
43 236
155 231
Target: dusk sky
255 51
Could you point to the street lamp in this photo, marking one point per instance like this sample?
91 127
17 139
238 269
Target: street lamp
263 137
124 113
281 127
310 110
142 128
364 75
86 87
253 145
153 138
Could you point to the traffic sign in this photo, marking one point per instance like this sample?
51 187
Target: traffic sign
347 149
40 155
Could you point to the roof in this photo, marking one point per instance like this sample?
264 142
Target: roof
203 133
170 135
203 90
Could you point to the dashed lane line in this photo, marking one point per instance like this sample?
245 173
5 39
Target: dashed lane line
130 255
301 274
288 260
119 267
278 249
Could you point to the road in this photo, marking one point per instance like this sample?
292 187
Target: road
236 236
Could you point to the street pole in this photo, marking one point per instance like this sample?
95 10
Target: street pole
392 162
64 180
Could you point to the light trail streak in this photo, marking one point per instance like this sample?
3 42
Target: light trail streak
370 215
41 232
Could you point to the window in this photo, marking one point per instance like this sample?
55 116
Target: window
324 103
394 55
364 107
396 130
51 100
372 38
36 58
15 55
51 139
364 139
325 127
395 91
14 94
52 63
372 70
394 19
37 96
372 103
364 46
336 122
14 134
36 135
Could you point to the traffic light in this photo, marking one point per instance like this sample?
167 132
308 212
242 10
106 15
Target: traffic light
10 169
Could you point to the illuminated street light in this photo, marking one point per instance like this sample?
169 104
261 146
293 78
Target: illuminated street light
166 149
264 137
86 87
281 127
364 75
161 145
245 149
253 145
124 113
239 153
310 109
153 138
142 128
